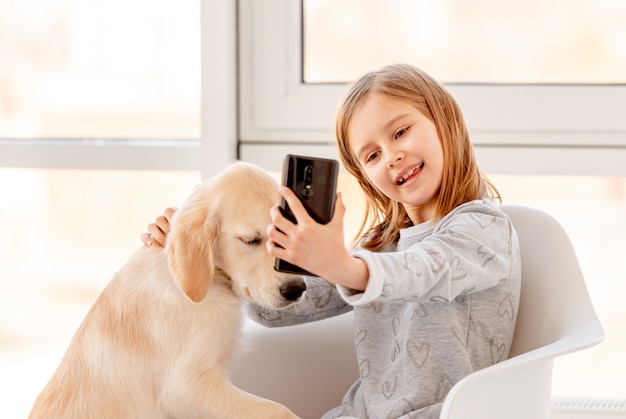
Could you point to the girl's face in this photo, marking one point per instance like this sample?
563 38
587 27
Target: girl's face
400 152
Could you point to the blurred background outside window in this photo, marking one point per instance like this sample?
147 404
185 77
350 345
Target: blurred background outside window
100 69
460 41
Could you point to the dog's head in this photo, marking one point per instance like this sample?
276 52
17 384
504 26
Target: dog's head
220 230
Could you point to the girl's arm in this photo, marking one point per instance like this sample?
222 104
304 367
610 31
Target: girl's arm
472 249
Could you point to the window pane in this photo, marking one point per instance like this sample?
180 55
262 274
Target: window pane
491 41
100 69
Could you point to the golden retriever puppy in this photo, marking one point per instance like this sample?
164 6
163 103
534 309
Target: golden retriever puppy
157 341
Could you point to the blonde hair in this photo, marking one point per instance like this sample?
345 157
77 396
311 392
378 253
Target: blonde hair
462 179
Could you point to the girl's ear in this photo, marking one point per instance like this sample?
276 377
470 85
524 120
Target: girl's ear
190 245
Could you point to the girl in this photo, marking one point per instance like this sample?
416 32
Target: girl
435 282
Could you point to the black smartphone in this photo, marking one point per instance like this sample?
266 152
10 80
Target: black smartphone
314 181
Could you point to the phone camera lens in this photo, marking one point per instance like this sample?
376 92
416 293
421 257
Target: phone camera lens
308 182
308 175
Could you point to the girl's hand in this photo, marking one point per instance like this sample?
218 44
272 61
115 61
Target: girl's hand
318 248
157 231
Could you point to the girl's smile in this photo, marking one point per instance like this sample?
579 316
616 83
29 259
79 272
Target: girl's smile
399 149
409 174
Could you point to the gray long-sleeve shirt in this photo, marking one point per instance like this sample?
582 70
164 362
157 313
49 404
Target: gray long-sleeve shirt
439 304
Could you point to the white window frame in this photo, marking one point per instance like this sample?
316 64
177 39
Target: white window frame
516 129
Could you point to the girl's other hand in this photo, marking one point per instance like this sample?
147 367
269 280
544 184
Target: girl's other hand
158 231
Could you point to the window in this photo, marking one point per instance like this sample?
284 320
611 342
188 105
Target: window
100 83
577 128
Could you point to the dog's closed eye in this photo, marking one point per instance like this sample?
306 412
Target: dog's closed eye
250 240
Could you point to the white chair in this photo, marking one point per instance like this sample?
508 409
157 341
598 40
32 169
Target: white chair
309 367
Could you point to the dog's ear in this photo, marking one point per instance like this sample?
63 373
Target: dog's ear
190 245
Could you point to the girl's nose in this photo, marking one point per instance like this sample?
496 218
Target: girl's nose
394 159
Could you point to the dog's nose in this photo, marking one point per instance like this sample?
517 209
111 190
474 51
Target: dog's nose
292 290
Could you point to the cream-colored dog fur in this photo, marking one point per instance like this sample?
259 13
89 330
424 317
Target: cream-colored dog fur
157 342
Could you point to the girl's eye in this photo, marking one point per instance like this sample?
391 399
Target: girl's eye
250 241
401 133
372 156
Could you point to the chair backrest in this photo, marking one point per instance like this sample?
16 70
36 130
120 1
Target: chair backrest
554 299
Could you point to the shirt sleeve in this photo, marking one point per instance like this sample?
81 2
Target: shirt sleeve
321 300
470 250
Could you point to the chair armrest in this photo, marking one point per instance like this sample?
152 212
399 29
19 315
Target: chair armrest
528 374
495 392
